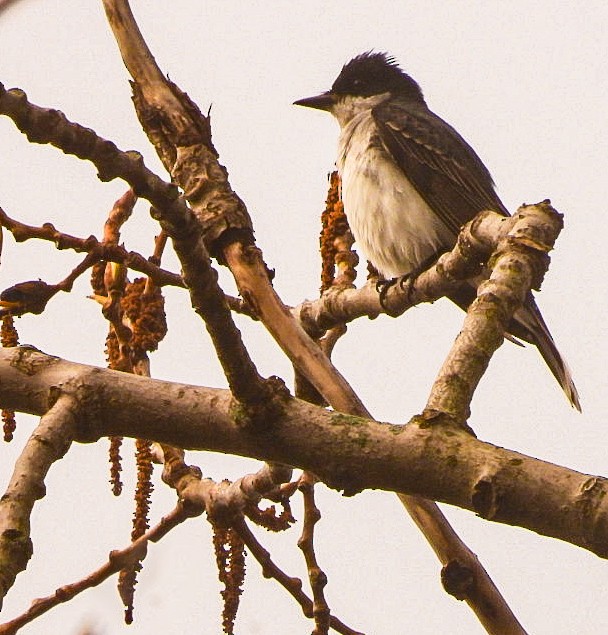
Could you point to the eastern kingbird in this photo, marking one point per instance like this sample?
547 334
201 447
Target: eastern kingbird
410 181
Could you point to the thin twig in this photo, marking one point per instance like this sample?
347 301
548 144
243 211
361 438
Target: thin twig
292 585
108 252
118 560
316 575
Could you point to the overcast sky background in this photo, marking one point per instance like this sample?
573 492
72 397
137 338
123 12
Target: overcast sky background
525 83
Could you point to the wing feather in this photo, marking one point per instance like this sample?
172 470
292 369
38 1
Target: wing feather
439 163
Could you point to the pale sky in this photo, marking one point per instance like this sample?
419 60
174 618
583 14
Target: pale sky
525 84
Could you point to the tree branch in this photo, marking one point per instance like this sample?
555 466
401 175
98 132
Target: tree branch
518 263
118 560
50 126
102 251
438 462
48 443
340 305
290 584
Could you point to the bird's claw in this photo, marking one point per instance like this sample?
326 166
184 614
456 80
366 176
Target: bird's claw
383 287
405 284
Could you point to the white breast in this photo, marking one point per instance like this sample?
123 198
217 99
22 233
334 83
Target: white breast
396 230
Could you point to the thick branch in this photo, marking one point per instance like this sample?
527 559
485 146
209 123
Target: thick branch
441 463
517 264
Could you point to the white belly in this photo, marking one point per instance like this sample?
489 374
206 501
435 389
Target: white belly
396 230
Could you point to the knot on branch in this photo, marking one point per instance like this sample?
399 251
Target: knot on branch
260 411
169 126
458 579
485 498
431 418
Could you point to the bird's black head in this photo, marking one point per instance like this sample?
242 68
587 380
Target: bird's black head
373 74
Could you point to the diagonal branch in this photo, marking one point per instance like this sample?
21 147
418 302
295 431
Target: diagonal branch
48 443
43 125
518 263
50 126
171 119
118 560
290 584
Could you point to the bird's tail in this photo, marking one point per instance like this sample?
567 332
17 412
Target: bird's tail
528 324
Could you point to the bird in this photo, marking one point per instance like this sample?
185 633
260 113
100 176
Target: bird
410 182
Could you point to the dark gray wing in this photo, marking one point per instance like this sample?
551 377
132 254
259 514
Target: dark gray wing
438 162
456 185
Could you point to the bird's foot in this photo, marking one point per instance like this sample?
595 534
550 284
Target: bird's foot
405 283
382 287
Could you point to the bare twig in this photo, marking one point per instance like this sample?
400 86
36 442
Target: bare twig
292 585
118 560
316 575
100 251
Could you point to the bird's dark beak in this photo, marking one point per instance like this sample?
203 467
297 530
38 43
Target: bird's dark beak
324 101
